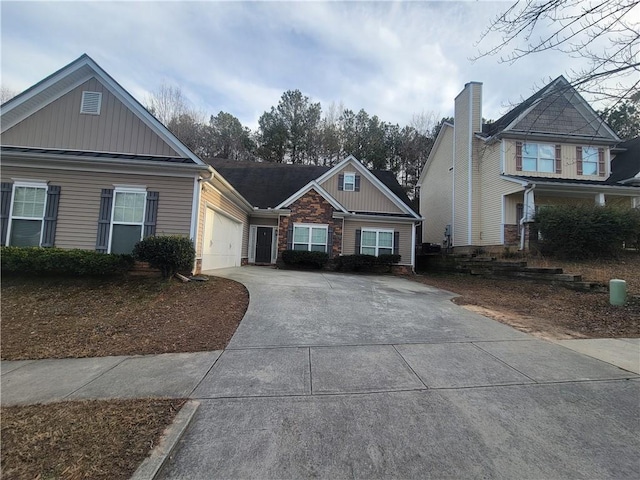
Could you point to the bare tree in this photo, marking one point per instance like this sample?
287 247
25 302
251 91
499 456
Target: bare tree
167 102
604 32
6 94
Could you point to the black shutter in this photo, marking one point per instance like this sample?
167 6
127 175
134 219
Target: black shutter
341 182
357 188
396 243
104 220
290 237
151 214
358 240
5 208
51 216
330 242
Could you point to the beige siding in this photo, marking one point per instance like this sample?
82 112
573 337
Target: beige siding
461 170
349 236
80 201
263 222
569 164
435 191
61 125
210 196
368 199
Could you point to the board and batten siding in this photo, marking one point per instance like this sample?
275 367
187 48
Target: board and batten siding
368 199
211 197
61 125
80 201
436 194
405 229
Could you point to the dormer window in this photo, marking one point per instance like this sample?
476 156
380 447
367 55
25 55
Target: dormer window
91 103
349 182
538 157
589 161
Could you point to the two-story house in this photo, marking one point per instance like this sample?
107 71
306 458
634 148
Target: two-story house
481 184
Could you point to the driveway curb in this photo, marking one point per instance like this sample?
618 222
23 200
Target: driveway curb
152 465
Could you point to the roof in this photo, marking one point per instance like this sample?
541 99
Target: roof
564 181
626 165
555 110
266 184
80 153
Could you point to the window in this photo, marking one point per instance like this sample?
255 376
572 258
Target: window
590 161
310 237
538 157
349 182
27 215
376 242
127 219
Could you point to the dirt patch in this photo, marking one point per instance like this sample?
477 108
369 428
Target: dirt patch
59 318
84 439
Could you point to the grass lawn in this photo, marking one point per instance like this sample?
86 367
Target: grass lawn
551 311
80 317
82 439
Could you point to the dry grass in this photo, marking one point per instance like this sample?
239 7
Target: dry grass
69 317
82 440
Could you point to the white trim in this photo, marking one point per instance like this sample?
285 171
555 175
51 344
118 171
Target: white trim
503 217
195 209
502 155
312 185
344 182
453 192
413 245
377 246
433 151
311 226
253 235
29 184
470 172
127 189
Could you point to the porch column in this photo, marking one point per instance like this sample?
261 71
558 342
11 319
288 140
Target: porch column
528 213
635 202
600 200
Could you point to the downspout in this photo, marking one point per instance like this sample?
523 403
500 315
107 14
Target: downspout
413 245
525 212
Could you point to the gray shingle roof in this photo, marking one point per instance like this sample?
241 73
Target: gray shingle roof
626 164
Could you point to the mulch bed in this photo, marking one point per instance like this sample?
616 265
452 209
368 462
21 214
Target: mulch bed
79 317
83 439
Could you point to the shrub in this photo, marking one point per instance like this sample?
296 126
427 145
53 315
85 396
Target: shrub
169 253
58 261
303 258
586 231
358 262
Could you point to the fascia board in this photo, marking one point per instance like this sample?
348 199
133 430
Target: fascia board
376 218
519 181
312 185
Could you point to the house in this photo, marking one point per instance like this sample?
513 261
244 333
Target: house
343 210
85 165
482 183
625 167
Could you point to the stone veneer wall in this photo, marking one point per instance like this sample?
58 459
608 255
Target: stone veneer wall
311 208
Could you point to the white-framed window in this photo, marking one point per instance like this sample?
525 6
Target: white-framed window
310 237
127 219
28 201
590 161
538 157
349 184
376 242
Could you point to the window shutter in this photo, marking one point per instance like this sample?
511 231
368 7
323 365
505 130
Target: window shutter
396 243
330 242
519 156
357 183
341 182
601 169
151 214
579 160
290 237
104 220
358 240
558 159
51 216
5 208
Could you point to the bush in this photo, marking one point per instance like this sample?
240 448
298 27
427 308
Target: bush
586 231
358 262
58 261
303 258
170 254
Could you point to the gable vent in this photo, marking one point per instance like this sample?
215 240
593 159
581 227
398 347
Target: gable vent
91 102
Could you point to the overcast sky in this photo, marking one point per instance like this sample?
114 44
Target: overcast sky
394 59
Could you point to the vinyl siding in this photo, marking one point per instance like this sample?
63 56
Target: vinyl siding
61 125
80 201
210 196
461 169
569 164
349 236
263 222
435 191
368 199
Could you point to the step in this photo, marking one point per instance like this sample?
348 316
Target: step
557 277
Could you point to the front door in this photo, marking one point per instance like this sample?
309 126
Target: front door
264 242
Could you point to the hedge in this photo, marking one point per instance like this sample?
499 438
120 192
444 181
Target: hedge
304 258
58 261
587 231
360 262
168 253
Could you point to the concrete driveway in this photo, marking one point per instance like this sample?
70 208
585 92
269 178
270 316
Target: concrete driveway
348 376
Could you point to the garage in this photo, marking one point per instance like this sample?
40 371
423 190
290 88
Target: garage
222 241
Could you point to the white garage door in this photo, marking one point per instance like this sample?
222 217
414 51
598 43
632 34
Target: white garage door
222 241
